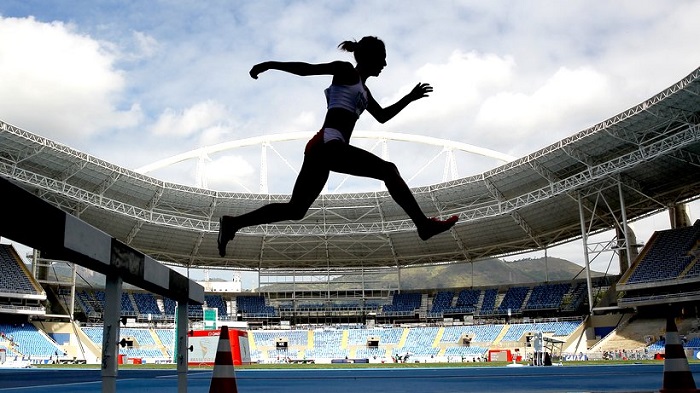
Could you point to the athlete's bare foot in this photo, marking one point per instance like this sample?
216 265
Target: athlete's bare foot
227 231
435 226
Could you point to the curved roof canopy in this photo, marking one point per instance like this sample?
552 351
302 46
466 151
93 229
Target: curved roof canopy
649 154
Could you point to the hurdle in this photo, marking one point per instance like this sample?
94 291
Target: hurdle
36 223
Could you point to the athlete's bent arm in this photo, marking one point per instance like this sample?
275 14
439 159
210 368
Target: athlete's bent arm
385 114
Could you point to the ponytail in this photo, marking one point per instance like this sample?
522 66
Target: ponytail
366 47
348 46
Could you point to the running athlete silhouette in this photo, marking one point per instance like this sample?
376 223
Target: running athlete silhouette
329 150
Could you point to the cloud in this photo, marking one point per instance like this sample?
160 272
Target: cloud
59 83
195 119
460 83
230 173
145 45
480 98
543 116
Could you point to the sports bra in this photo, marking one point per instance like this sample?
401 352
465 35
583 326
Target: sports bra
349 97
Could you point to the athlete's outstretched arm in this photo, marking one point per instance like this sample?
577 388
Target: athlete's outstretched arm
298 68
385 114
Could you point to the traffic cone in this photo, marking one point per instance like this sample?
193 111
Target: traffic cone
677 375
224 378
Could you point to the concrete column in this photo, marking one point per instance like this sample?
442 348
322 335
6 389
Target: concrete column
678 214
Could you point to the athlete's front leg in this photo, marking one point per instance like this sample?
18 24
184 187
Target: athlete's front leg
309 184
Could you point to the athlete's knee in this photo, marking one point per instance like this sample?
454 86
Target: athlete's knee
297 210
390 171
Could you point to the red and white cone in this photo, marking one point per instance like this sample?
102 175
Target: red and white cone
677 375
224 378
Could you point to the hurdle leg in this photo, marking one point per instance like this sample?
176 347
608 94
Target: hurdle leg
110 335
182 351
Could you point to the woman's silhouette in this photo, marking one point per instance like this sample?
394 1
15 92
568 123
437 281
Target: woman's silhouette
329 150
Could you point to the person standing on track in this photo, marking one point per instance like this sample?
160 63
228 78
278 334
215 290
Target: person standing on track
330 150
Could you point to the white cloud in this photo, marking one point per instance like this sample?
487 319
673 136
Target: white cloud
194 119
548 113
305 121
59 83
214 134
230 173
146 45
487 100
460 84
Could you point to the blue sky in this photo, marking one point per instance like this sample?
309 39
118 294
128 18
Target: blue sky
132 82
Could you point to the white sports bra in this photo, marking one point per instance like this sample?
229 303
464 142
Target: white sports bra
349 97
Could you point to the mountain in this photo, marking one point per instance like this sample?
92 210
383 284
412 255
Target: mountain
489 272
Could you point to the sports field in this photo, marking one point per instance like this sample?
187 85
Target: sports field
598 378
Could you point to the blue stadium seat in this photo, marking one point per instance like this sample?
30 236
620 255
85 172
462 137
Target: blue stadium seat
255 307
512 301
442 302
403 304
28 341
146 304
667 255
14 279
489 305
217 302
547 296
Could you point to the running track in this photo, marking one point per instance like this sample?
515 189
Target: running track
614 378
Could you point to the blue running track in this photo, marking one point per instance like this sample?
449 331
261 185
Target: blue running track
614 378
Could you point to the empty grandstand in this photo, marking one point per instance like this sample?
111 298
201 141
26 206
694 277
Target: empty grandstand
19 291
446 325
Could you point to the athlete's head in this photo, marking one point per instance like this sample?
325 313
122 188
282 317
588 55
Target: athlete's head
369 52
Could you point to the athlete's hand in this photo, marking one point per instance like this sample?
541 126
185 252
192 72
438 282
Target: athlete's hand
258 69
419 91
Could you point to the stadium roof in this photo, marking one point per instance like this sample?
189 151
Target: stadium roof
649 154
